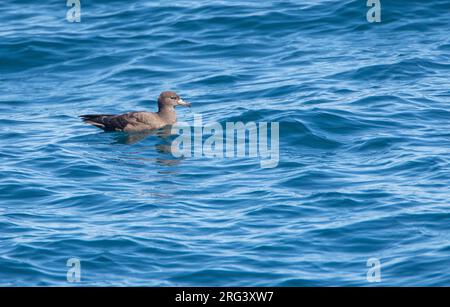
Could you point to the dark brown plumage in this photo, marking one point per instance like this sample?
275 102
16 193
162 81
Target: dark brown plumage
140 121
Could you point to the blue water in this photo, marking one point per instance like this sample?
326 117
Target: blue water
364 143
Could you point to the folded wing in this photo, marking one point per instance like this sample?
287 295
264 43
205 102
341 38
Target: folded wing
108 122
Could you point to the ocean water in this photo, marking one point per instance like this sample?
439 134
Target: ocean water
364 119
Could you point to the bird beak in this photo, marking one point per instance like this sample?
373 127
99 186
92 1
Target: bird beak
181 102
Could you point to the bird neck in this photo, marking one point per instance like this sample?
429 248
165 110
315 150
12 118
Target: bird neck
168 114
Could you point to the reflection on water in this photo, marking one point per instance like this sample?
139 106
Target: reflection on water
162 146
133 138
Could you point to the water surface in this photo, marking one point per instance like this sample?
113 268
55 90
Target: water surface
364 143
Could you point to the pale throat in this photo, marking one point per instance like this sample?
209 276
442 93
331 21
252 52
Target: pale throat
168 114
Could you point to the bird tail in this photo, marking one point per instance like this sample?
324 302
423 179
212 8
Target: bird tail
97 120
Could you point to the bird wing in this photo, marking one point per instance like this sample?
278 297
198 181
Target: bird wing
107 122
131 121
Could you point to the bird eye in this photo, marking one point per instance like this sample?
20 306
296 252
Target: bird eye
174 97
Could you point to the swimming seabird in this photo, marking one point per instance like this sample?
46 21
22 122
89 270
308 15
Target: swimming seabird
140 121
